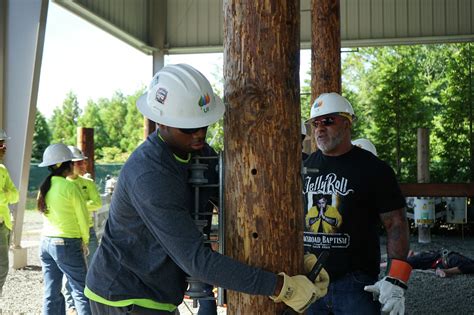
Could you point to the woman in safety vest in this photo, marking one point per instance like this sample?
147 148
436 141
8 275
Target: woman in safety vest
65 232
8 195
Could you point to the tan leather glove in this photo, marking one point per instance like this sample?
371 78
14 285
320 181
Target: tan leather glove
322 280
297 292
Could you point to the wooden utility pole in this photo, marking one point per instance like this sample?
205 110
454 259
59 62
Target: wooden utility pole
263 203
325 49
423 176
85 142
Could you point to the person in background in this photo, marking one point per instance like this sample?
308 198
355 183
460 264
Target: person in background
65 235
366 145
304 155
444 262
89 192
8 195
151 242
367 192
93 202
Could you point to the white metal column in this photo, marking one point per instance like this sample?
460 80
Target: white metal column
25 23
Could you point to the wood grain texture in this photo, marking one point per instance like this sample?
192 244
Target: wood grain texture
264 217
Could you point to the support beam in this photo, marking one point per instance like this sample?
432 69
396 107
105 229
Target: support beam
85 142
262 130
25 29
423 176
157 23
325 50
437 190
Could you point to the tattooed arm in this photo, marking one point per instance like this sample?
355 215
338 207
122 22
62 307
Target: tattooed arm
396 226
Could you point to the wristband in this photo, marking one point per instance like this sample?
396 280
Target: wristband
399 269
396 282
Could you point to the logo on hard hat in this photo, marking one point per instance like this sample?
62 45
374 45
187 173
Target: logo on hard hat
318 104
203 102
161 95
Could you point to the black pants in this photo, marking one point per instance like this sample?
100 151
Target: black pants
102 309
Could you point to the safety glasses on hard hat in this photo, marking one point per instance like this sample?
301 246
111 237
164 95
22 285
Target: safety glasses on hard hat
190 131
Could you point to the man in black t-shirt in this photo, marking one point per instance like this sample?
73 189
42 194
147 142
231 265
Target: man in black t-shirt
361 191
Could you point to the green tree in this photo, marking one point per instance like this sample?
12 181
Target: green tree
41 137
134 124
453 161
64 120
91 118
387 94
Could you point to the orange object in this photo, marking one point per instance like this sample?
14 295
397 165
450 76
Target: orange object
399 269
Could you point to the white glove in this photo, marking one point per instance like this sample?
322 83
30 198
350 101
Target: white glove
390 295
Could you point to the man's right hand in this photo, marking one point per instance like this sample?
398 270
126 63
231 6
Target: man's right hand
298 292
322 280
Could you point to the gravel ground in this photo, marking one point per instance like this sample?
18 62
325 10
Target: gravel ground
427 294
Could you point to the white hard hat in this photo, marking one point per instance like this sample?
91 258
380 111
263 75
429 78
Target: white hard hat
329 103
366 145
76 153
303 129
56 153
3 135
179 96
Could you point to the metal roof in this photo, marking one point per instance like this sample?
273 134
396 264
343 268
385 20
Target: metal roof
194 26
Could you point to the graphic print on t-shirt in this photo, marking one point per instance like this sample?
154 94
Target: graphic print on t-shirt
322 215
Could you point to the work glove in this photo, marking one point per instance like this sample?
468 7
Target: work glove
389 294
390 291
322 280
298 292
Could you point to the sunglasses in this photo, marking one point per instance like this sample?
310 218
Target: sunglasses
190 131
327 121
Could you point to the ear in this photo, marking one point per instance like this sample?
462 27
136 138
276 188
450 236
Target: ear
348 124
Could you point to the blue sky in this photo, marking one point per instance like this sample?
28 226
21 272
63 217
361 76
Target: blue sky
81 58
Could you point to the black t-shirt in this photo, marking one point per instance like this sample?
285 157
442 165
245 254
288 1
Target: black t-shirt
343 197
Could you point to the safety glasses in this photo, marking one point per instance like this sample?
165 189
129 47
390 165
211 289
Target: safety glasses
3 146
326 121
190 131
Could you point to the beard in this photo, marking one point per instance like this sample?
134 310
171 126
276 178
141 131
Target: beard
331 143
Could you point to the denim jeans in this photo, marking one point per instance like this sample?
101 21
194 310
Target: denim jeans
93 244
63 256
102 309
346 295
4 246
208 307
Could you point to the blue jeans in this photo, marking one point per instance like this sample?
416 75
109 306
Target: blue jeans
93 244
63 256
346 295
4 246
208 307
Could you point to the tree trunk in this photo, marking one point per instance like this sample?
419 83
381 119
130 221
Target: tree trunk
325 49
264 213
